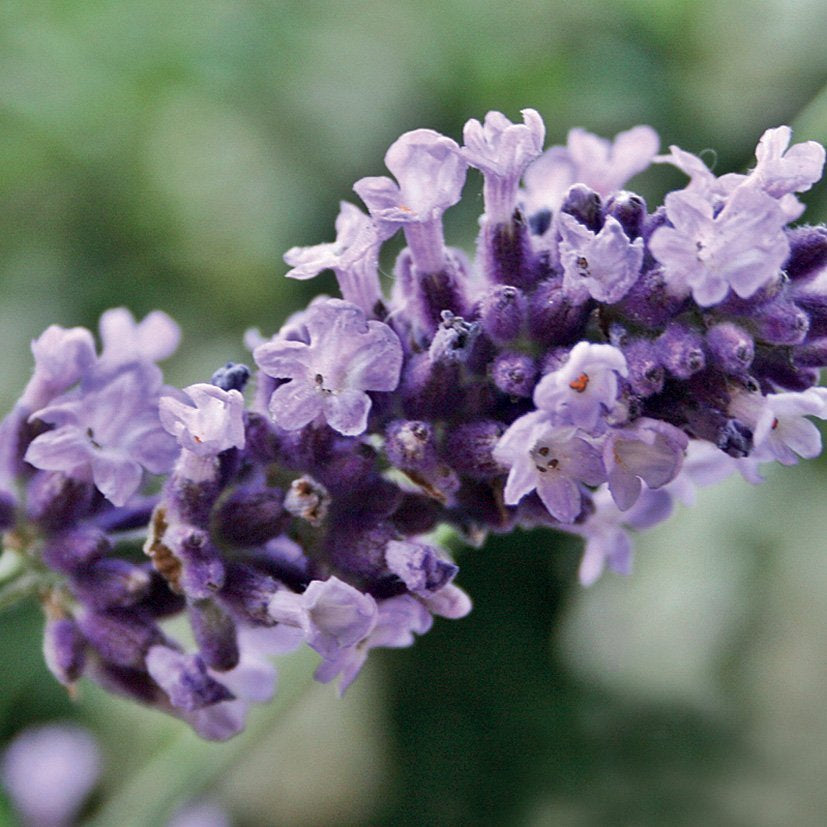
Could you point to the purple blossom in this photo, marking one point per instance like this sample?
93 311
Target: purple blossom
606 531
603 165
107 432
214 424
583 390
152 339
430 174
353 257
742 247
61 357
782 170
552 460
419 566
502 151
332 614
602 265
647 451
398 619
184 678
346 355
781 430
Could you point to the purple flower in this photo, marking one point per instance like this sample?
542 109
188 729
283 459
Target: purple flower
61 357
603 165
553 460
583 390
107 433
502 151
606 531
353 257
332 614
430 174
781 170
398 619
184 679
346 355
419 566
49 771
152 339
602 265
213 425
778 421
648 450
742 247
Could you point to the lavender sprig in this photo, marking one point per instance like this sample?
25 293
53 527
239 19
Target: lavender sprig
596 364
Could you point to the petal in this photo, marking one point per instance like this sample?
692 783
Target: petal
347 411
560 495
295 404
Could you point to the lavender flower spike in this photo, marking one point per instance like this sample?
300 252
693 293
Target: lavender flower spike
353 257
502 150
430 173
346 356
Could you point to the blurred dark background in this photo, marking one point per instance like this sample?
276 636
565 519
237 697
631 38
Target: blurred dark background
165 154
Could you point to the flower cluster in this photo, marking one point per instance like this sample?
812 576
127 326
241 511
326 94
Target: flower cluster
596 363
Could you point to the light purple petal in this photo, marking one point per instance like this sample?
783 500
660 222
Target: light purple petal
346 411
561 496
295 404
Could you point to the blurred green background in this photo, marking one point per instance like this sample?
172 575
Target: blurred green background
164 154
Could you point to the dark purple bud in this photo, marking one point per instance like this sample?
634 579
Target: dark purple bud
808 251
202 570
215 633
680 350
261 445
648 302
503 312
359 548
64 649
811 355
191 501
775 371
431 390
585 205
127 518
251 515
780 322
470 447
645 370
630 211
109 583
185 680
78 547
732 348
56 501
410 445
8 506
505 253
540 221
248 591
232 376
121 636
552 317
514 374
416 515
308 500
348 464
815 306
430 294
133 683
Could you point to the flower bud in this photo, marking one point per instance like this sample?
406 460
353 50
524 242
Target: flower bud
514 374
585 205
731 347
215 633
629 209
502 312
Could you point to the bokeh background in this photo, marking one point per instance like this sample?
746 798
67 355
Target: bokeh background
165 153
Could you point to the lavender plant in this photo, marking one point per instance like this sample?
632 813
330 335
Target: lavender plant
596 364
